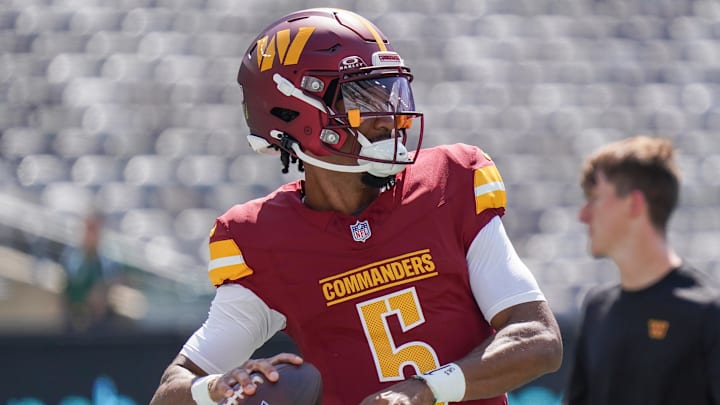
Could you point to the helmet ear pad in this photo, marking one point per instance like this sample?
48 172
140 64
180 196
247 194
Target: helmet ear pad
330 97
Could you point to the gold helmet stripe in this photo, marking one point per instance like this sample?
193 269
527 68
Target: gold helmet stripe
376 35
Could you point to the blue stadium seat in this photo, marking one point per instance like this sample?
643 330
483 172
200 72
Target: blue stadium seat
95 170
150 170
148 224
194 224
68 198
89 20
41 170
117 197
109 43
18 142
202 170
143 20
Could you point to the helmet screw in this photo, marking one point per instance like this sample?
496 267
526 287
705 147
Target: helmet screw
307 130
329 136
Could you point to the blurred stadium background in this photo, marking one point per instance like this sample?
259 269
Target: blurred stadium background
132 106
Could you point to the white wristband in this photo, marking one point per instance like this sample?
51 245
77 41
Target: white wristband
200 389
447 383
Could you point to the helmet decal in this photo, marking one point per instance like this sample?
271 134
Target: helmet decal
387 59
288 50
351 62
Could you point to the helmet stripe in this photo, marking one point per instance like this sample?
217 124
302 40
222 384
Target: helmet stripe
376 35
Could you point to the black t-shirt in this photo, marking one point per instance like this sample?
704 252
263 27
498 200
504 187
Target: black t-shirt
660 345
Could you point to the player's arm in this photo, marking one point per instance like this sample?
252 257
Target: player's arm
526 345
176 381
176 385
527 342
238 323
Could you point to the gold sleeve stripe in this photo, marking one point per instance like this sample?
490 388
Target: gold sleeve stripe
489 189
218 275
487 174
223 248
226 262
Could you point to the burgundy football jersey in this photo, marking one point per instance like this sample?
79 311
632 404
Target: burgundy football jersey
374 298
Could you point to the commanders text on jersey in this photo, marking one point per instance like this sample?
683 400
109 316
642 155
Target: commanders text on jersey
377 276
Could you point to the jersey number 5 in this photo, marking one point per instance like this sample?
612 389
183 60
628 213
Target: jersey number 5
389 358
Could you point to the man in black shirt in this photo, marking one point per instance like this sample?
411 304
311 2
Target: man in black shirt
655 337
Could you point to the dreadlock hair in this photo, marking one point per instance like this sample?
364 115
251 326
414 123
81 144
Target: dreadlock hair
286 158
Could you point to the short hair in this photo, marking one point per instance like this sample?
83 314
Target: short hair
639 163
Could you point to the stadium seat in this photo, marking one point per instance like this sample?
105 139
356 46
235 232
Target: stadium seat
95 170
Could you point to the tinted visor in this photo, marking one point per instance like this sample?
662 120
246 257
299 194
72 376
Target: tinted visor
368 97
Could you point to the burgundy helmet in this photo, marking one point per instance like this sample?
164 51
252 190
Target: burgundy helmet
312 77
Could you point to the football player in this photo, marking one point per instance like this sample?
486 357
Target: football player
388 265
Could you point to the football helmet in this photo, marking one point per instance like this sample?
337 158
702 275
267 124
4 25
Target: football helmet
313 77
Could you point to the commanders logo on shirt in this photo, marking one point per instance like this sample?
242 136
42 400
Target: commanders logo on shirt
657 328
377 276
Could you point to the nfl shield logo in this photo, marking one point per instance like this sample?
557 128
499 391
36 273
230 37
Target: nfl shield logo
360 231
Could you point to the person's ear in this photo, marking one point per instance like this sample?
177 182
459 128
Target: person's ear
638 203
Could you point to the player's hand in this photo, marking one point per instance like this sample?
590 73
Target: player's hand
408 392
223 386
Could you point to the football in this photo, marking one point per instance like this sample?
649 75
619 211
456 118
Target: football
297 385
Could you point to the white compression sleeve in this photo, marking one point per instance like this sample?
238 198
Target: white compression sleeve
238 323
498 277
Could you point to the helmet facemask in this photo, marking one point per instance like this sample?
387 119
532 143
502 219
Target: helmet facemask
374 110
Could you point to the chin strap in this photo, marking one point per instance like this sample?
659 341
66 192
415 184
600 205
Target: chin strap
379 150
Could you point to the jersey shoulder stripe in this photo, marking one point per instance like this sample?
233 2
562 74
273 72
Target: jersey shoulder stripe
489 189
240 227
226 262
